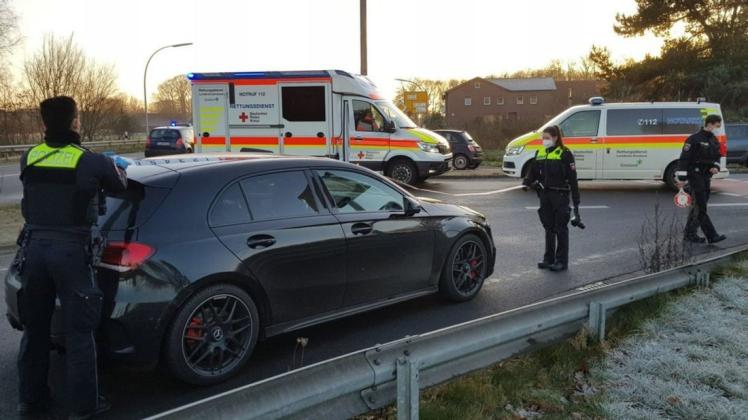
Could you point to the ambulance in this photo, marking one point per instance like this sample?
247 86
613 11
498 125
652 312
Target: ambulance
328 113
622 141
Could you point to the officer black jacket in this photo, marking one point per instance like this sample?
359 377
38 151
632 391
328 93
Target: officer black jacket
700 151
555 174
63 198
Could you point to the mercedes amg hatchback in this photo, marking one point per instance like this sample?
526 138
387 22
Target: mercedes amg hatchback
210 253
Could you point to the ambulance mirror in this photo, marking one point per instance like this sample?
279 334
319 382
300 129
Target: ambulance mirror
206 134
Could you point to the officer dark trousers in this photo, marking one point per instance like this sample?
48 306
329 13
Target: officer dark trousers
555 214
58 267
700 183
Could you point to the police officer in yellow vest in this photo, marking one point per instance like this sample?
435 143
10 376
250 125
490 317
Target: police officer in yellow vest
61 186
553 174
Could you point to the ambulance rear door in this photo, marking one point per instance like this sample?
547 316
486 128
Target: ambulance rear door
306 115
253 117
210 102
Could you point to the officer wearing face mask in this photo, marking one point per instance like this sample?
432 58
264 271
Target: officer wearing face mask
699 161
553 175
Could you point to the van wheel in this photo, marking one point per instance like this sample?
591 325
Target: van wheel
212 335
526 168
403 170
460 162
465 270
669 178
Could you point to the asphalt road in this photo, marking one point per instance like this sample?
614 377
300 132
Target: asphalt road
612 211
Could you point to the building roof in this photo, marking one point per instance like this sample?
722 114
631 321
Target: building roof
536 83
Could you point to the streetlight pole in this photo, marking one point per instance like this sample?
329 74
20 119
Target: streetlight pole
364 52
145 74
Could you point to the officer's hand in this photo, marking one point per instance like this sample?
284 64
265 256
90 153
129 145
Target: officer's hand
576 213
714 171
121 162
680 184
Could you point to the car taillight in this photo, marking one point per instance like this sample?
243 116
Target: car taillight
180 142
148 141
125 256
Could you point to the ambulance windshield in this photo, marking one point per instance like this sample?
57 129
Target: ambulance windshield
394 114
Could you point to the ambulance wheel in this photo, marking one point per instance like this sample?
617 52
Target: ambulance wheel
212 335
526 168
465 270
460 162
403 170
670 179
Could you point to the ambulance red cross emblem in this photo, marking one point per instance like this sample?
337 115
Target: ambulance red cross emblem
243 117
361 155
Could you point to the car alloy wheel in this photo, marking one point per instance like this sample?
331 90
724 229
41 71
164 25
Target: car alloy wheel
217 335
468 268
460 162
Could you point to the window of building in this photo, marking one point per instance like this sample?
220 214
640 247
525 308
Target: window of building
486 100
279 195
468 101
581 124
500 100
634 122
477 85
520 100
353 192
533 100
303 103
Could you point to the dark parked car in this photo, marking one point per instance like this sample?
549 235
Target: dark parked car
206 255
737 143
466 151
171 140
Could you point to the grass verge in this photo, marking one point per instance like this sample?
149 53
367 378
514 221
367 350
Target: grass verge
553 382
10 224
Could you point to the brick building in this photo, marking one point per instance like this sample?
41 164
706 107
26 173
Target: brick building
533 100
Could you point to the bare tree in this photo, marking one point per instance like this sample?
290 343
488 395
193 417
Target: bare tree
9 37
174 97
61 68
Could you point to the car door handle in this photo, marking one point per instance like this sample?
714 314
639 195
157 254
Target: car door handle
361 228
593 140
359 138
260 241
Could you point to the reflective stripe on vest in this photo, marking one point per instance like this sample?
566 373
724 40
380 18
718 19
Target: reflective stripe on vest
67 157
554 155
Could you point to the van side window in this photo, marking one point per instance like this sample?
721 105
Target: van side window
303 103
581 124
366 117
230 208
634 122
681 120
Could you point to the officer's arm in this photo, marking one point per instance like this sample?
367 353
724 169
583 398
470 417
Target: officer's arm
532 175
113 178
687 155
571 174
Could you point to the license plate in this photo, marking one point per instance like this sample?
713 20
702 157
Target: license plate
163 143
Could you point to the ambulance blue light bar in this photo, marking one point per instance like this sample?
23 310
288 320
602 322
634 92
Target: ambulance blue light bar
258 75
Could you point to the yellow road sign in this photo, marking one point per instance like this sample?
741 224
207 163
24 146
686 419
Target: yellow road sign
416 102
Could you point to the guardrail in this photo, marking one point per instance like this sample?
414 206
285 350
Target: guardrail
20 148
372 378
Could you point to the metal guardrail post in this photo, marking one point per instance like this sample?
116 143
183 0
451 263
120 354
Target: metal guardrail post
702 278
407 389
597 320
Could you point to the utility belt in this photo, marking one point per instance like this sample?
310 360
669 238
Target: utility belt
90 237
558 189
58 233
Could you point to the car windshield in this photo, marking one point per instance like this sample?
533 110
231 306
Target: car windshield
394 114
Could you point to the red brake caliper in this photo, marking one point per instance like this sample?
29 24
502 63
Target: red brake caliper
193 330
473 264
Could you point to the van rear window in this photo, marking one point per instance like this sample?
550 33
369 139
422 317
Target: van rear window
131 208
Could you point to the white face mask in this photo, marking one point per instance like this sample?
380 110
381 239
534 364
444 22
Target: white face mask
548 143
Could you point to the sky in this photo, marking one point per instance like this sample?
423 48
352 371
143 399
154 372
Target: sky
435 39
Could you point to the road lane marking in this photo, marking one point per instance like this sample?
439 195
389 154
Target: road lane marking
730 194
15 174
580 207
728 204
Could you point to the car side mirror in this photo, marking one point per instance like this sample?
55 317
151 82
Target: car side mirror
389 127
412 206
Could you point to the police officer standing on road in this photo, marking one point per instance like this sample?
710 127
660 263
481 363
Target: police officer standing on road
62 184
699 161
553 175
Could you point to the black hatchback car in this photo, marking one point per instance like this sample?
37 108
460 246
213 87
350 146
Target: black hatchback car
206 255
466 152
170 140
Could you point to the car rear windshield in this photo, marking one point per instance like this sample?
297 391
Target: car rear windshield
164 134
131 208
